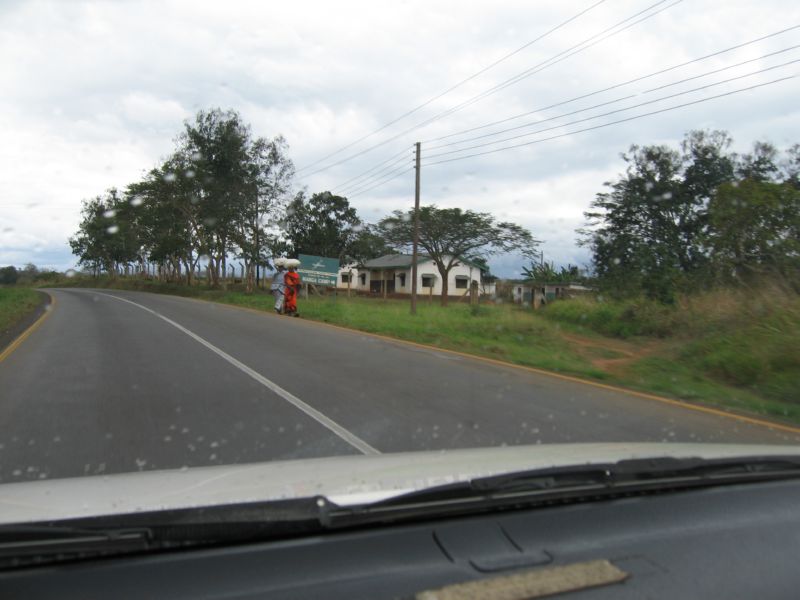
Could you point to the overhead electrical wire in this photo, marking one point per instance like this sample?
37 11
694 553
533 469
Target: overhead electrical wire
561 116
609 124
516 78
457 85
382 182
375 172
561 56
619 85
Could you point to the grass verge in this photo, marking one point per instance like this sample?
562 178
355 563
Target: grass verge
15 304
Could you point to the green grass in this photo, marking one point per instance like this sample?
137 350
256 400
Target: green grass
738 351
15 303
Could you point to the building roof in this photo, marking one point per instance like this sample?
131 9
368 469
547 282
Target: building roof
392 261
403 261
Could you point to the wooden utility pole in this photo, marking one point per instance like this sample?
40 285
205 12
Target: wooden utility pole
416 235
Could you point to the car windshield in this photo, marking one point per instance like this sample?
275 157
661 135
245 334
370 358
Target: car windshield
238 237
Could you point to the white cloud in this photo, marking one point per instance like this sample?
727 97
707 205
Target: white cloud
94 93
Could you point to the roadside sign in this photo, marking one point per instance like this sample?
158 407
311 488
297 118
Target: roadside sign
318 269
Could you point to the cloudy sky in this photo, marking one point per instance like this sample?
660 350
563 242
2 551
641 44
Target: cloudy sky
93 94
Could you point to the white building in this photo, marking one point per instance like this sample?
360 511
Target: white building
391 274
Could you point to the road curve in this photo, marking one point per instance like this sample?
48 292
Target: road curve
124 381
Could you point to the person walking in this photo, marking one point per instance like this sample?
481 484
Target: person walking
291 280
277 285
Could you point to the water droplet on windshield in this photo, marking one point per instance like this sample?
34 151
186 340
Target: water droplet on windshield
189 174
113 229
110 213
137 201
169 177
70 273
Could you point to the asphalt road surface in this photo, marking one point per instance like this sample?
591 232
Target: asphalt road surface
121 381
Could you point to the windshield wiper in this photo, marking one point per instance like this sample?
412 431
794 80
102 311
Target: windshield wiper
21 545
70 539
569 484
24 545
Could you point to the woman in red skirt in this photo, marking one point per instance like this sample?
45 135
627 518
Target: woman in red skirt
292 287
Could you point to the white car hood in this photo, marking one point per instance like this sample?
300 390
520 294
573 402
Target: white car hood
342 479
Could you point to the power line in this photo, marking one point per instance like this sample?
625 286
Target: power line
480 96
508 139
619 85
633 118
561 116
561 56
457 85
391 159
378 174
380 183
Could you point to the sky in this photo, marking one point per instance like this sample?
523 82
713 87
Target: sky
94 94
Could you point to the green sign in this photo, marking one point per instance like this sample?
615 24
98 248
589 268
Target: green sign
318 269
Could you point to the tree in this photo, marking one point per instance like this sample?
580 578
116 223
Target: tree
544 272
211 198
9 275
639 244
366 244
107 237
450 235
322 225
760 164
648 233
755 231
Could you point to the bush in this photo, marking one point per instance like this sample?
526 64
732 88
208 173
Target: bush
618 318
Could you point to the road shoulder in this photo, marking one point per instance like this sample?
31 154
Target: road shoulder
16 330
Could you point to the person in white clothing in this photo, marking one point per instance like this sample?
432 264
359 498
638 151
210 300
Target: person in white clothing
277 286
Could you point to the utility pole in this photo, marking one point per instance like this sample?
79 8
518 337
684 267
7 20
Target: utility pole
257 248
416 235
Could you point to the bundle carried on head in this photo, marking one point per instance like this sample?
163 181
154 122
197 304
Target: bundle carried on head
291 262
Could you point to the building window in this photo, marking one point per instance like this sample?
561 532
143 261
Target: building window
427 281
402 278
461 282
363 278
345 277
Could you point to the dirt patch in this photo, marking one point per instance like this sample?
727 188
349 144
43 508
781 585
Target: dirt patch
611 355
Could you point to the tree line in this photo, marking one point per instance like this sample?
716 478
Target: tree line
696 217
225 193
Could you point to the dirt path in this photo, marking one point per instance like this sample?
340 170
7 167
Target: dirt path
612 355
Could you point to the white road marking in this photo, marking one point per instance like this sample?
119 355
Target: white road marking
343 433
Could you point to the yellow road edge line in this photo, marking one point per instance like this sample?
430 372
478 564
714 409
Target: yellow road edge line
494 361
34 326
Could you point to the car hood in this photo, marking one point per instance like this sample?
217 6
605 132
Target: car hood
342 479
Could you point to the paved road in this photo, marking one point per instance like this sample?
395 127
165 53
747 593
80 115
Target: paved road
123 381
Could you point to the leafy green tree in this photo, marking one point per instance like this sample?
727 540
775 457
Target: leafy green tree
791 166
211 198
323 225
637 242
759 165
9 275
648 233
107 237
755 231
366 244
450 235
544 272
